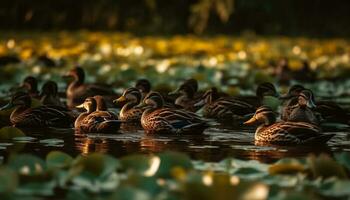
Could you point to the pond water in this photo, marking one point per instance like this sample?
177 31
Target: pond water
214 145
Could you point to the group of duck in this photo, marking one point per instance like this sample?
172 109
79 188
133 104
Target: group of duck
300 122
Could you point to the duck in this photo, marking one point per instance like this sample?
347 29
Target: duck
157 119
144 86
302 110
95 121
187 95
30 85
49 95
102 109
39 117
264 90
284 133
223 108
325 111
78 91
129 112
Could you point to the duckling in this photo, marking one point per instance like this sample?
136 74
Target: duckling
93 121
144 86
222 108
39 117
159 120
284 133
133 98
49 95
78 91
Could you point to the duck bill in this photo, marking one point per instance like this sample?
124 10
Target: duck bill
80 106
7 106
251 121
119 100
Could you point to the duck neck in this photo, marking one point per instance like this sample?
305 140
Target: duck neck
128 106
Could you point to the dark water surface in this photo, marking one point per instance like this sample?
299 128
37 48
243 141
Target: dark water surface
216 144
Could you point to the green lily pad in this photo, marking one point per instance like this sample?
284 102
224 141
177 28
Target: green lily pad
58 159
170 161
8 180
344 159
324 166
27 165
130 193
9 132
140 164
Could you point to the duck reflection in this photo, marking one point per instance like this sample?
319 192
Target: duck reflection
86 145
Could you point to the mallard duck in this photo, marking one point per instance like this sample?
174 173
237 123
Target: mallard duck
284 133
94 121
223 108
144 86
264 90
159 120
78 91
129 112
42 116
327 111
30 84
188 97
302 110
49 95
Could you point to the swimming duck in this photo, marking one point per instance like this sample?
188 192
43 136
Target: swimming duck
30 84
223 108
284 133
78 91
129 112
264 90
187 98
49 95
144 86
159 120
327 111
94 121
42 116
302 111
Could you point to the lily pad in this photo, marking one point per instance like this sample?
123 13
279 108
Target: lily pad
8 180
9 132
58 159
324 166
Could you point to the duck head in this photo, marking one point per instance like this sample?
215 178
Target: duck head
263 115
129 95
100 103
30 84
209 96
89 105
293 92
77 73
50 88
152 100
266 89
306 99
143 85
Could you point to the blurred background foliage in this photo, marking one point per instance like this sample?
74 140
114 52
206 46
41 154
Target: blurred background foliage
289 17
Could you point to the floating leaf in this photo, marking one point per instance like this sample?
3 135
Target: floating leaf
9 132
58 159
27 165
8 180
324 166
286 166
170 160
141 164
